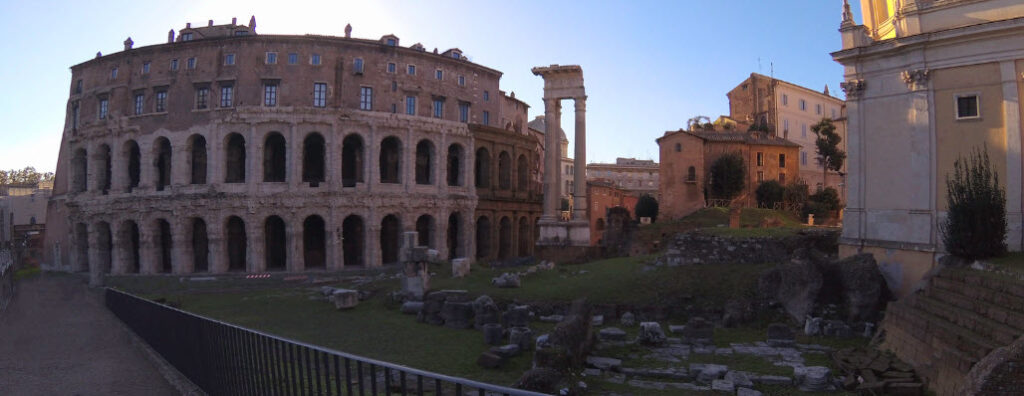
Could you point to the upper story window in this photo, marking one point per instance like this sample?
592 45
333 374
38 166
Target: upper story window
438 108
760 159
227 95
463 112
160 104
229 59
439 74
140 99
834 114
314 59
785 126
392 42
202 97
782 160
803 105
411 70
74 116
394 86
967 106
78 86
462 81
487 96
456 55
174 64
817 109
365 98
410 105
803 158
145 68
113 73
803 131
486 117
270 94
392 68
785 100
271 58
104 107
293 58
319 95
191 63
241 33
679 147
357 65
186 37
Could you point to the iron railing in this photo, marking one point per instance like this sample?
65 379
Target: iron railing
224 359
6 278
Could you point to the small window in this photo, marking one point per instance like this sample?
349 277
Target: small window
438 108
679 147
241 33
160 104
785 126
394 86
411 70
186 37
145 68
782 160
803 131
462 81
817 109
365 98
456 55
803 105
270 95
357 65
113 73
227 94
202 98
293 58
319 95
760 159
392 42
191 63
271 58
78 86
785 100
229 59
315 59
174 64
104 107
487 96
803 158
392 67
410 105
760 176
487 117
140 99
463 112
691 174
394 108
967 106
438 74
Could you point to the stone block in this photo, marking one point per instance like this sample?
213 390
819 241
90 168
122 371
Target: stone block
521 336
721 385
705 373
612 334
517 316
651 334
627 319
780 335
552 318
457 315
597 320
490 360
460 267
493 333
739 378
412 307
604 363
747 392
506 280
698 331
344 298
506 351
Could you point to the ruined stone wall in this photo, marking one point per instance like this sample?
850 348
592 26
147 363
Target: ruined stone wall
701 248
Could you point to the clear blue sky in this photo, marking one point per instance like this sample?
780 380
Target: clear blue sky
649 66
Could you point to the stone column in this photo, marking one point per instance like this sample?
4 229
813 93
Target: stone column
254 257
552 156
580 174
217 242
183 261
118 248
95 259
149 255
294 240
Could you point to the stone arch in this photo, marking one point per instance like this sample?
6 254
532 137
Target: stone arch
162 163
391 160
81 247
314 242
314 156
504 238
103 177
353 240
426 228
352 153
200 246
130 242
236 244
482 170
104 246
524 237
163 241
522 173
455 245
390 239
504 171
275 155
234 159
455 161
133 158
79 170
197 158
483 237
275 244
424 162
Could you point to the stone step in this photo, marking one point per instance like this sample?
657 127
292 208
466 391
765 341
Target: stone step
940 332
981 326
995 312
908 336
1000 289
977 291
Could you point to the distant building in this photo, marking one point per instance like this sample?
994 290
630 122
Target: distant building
567 167
638 177
604 195
686 158
23 211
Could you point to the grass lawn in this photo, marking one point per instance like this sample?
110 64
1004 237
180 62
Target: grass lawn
716 220
1013 262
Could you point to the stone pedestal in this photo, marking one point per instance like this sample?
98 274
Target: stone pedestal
564 233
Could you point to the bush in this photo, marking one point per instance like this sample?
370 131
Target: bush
769 193
975 226
828 197
796 192
728 176
646 206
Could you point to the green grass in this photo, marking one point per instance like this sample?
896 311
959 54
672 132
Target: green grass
716 220
26 273
1013 262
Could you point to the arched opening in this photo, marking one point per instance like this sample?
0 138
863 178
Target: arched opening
314 242
691 174
483 237
275 244
103 178
524 237
130 246
522 173
455 165
81 247
163 241
105 245
197 159
162 162
424 162
200 246
237 244
313 152
504 238
504 171
390 160
274 153
600 224
79 170
482 170
390 239
234 157
455 248
425 230
351 161
353 236
133 157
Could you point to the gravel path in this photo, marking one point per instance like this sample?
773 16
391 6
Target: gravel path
57 338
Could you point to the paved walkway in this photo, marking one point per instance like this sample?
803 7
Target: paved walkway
57 338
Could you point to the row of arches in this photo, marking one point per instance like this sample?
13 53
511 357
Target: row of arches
482 170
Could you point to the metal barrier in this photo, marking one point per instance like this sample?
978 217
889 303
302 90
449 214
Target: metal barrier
224 359
6 278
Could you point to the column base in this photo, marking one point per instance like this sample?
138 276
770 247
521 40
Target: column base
563 233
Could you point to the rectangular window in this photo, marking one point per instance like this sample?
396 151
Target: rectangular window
293 58
113 73
270 95
438 108
319 95
186 37
357 65
782 160
160 105
803 158
462 81
271 58
394 108
314 59
229 59
140 99
145 68
78 86
760 159
817 109
967 106
760 176
487 96
191 63
394 86
392 68
227 94
365 98
410 105
439 74
785 126
487 118
463 112
411 70
833 114
74 115
103 108
803 105
174 64
782 178
785 100
392 42
202 98
803 131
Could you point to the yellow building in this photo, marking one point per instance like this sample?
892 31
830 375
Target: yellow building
926 81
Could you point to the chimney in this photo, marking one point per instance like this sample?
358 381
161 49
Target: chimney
170 36
188 25
128 43
252 24
348 31
98 54
234 21
211 23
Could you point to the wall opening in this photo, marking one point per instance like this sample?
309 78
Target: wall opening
314 242
134 159
522 173
130 245
162 162
105 245
390 160
237 244
425 227
164 245
200 246
197 160
455 248
79 170
274 154
483 237
105 171
234 167
81 247
424 162
524 237
351 161
504 238
390 239
353 237
504 171
275 244
313 156
455 177
482 170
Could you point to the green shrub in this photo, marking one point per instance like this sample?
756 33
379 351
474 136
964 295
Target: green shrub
646 206
975 226
796 192
728 176
769 193
828 197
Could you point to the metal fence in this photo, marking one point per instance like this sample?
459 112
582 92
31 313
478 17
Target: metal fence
6 278
224 359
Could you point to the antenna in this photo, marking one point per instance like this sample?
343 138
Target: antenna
772 66
759 69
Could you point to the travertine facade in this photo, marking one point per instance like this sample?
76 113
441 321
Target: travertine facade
224 150
639 177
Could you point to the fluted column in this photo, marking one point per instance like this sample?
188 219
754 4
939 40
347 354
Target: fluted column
552 178
580 159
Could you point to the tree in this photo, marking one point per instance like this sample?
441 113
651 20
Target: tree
769 193
975 226
728 176
646 206
27 175
699 123
829 155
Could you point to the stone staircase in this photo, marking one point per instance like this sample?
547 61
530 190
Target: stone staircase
953 323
